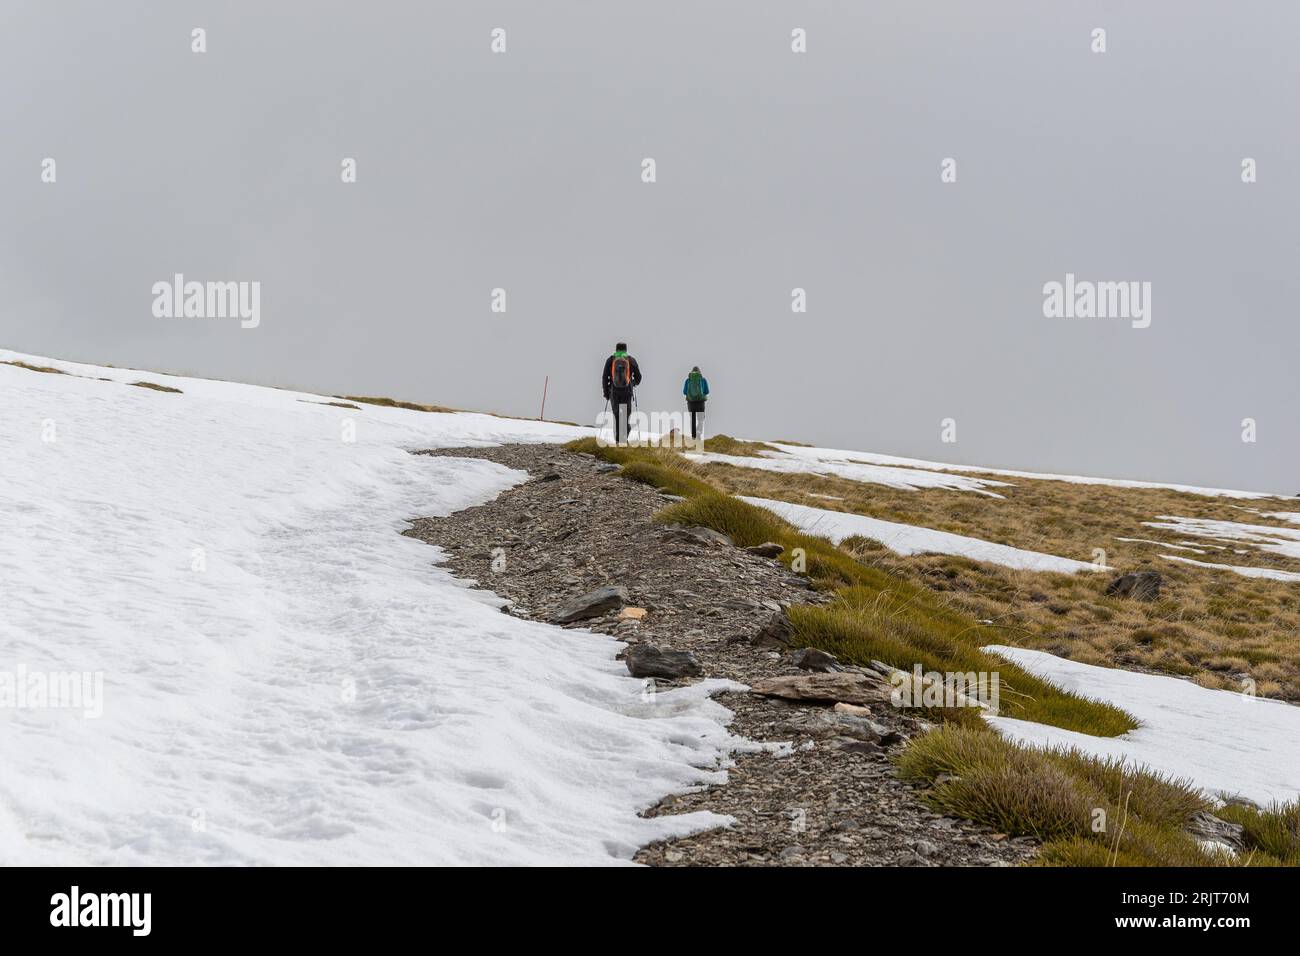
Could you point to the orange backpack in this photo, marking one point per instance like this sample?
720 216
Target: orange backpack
620 371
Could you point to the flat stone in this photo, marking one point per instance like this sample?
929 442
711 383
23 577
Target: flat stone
646 660
592 604
831 688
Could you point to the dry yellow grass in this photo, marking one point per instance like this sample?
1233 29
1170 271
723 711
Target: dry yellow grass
1215 626
33 368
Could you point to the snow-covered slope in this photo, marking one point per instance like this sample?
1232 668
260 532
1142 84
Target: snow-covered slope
909 539
1224 742
286 679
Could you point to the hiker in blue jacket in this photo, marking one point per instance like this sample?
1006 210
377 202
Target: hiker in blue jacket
696 390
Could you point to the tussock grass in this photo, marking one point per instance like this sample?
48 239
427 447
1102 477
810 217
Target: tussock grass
1088 812
671 480
1041 801
1153 797
156 387
1274 832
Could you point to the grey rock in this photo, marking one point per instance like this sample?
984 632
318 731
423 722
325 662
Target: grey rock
549 476
777 631
1139 585
741 604
866 747
791 854
926 848
593 604
646 660
812 659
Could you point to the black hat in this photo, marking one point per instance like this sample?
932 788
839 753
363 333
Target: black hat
620 347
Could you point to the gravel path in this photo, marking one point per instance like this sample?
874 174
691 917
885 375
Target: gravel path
827 799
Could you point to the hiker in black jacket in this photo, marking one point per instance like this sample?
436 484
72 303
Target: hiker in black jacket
619 376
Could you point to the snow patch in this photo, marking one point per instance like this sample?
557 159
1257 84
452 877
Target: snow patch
906 479
1283 541
1272 574
909 539
1226 743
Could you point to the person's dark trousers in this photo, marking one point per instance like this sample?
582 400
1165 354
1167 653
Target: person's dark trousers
697 415
622 404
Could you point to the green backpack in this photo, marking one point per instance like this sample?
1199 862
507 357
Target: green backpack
695 387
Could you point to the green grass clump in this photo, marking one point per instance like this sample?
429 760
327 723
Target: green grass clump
1274 831
1084 852
1042 801
1055 795
672 480
1154 797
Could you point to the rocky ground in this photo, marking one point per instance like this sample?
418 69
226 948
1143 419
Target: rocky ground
576 545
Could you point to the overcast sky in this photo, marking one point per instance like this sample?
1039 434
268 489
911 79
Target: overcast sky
775 170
